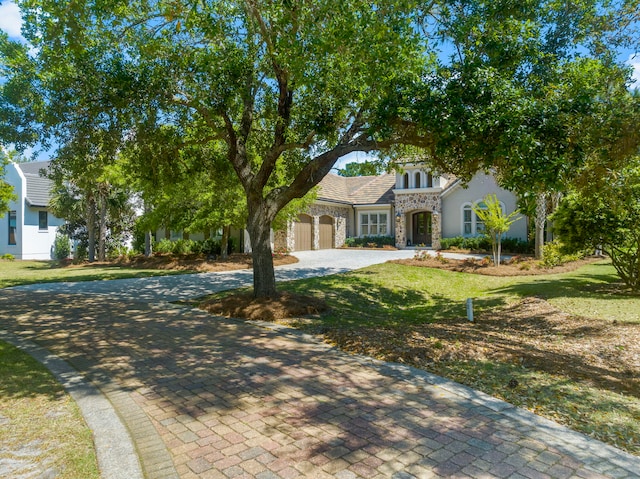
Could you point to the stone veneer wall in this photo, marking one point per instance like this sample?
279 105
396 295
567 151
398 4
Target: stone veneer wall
413 202
340 214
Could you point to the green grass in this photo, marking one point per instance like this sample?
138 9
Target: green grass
392 294
16 273
40 423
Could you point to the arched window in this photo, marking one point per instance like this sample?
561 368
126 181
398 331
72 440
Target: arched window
417 185
429 180
405 181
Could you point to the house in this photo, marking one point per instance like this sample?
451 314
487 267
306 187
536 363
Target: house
417 207
29 229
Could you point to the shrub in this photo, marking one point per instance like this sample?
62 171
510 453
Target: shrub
120 252
421 255
7 257
81 252
164 246
553 255
482 243
370 241
182 247
61 247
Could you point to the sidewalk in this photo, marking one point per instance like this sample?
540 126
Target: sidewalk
206 397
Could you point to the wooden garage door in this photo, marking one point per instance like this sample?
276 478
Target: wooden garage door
326 232
303 233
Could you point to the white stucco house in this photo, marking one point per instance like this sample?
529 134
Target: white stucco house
28 230
416 207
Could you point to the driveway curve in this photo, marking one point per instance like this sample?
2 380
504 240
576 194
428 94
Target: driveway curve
209 397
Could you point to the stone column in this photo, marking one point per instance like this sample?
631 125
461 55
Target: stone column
401 235
315 232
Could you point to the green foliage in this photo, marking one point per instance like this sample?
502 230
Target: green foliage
370 241
496 222
554 254
6 190
482 243
365 168
7 257
604 213
61 246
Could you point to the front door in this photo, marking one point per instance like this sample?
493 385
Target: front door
422 228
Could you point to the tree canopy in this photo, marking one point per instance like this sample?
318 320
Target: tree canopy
280 91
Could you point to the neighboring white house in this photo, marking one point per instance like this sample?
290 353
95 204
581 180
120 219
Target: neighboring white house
28 229
416 207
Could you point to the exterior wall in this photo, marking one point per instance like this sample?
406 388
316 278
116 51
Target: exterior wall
480 186
408 203
340 214
36 243
388 209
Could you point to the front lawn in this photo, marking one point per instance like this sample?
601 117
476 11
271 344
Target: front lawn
566 345
42 431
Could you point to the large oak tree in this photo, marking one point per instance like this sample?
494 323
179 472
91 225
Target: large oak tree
286 88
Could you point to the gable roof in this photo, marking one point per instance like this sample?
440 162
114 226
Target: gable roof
357 190
38 187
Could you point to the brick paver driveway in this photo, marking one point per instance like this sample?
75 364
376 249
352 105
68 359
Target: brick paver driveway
213 398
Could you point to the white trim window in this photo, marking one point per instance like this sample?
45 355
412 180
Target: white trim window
374 224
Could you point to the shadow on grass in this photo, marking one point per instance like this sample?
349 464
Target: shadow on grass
21 376
356 300
574 285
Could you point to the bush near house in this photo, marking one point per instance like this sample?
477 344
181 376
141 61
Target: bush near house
370 241
61 247
183 247
482 243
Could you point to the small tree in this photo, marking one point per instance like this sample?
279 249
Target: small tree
604 213
496 222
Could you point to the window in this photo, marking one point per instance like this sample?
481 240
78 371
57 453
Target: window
43 221
480 229
405 180
382 224
429 180
364 225
467 225
12 227
417 185
374 224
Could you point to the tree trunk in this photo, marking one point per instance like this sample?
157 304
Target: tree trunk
148 250
224 242
541 218
102 230
264 279
91 228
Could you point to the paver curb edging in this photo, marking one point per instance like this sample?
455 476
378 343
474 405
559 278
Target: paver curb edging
116 454
596 454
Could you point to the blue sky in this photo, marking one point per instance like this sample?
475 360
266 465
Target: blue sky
11 22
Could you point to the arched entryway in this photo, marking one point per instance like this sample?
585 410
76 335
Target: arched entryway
421 228
326 232
303 233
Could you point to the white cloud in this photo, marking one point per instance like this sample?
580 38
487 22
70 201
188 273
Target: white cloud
634 62
10 19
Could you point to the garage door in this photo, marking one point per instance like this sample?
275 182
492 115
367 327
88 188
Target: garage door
303 233
326 232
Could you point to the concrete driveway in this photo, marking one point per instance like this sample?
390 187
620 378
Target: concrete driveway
208 397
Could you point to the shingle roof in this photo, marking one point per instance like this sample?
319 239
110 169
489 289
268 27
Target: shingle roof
357 190
38 187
